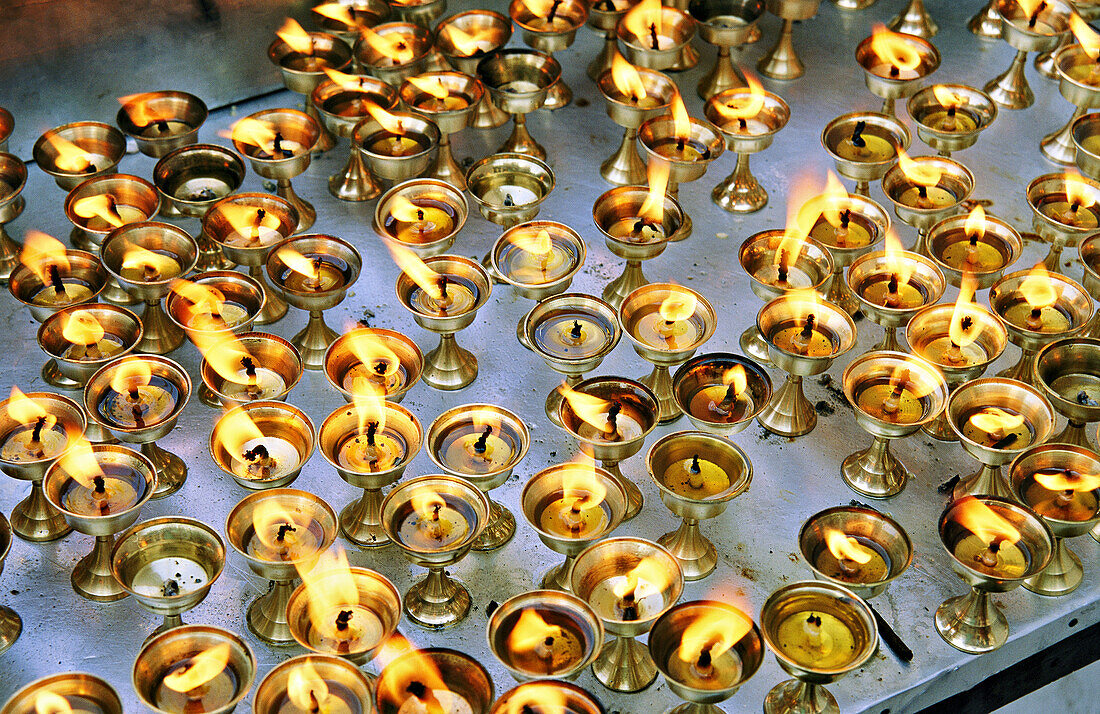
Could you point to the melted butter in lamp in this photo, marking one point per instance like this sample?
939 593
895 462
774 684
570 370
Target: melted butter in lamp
442 526
254 383
950 120
571 336
1091 144
641 603
890 401
351 628
865 148
41 439
646 102
285 542
999 559
371 452
225 316
711 673
508 195
849 570
436 701
1033 26
574 515
689 150
942 351
849 234
165 128
543 643
696 478
62 291
655 332
360 378
123 214
212 695
157 267
1062 504
428 221
782 272
93 351
619 424
718 403
143 405
805 339
1009 430
450 103
1070 214
475 450
385 143
972 254
168 577
816 640
637 230
885 290
459 297
328 273
1049 319
340 699
537 268
550 24
118 489
927 197
265 459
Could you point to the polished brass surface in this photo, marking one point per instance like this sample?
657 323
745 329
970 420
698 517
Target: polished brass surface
100 140
514 239
450 121
1058 145
429 189
272 691
502 67
417 39
353 182
11 625
87 268
697 556
1063 370
678 25
890 89
271 351
291 125
273 420
71 373
717 26
914 20
653 132
709 370
164 652
978 104
87 686
341 358
554 607
164 106
883 126
397 168
1058 234
575 699
869 268
625 167
133 192
539 37
782 61
373 592
496 30
954 178
1081 130
741 192
1010 88
997 233
236 287
191 178
460 673
161 539
13 175
859 522
506 169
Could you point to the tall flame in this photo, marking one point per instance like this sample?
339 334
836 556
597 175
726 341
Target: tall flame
1078 194
964 329
101 206
537 242
626 78
205 302
70 157
393 46
653 208
845 547
649 577
417 270
251 222
804 206
679 305
255 132
743 105
580 485
645 20
81 328
975 223
330 588
373 353
1038 288
430 85
269 518
591 409
737 378
408 672
466 43
80 464
922 173
306 689
225 354
894 49
232 431
42 252
389 122
203 667
130 375
295 37
835 200
1087 37
899 261
714 633
983 521
681 122
370 409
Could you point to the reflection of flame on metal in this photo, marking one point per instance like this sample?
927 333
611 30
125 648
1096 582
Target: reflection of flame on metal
709 636
894 49
201 668
295 37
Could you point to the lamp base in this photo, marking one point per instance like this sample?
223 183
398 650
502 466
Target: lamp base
740 192
631 279
1061 576
874 472
789 413
437 601
625 167
797 697
266 616
971 623
35 520
624 665
698 557
10 627
361 521
449 367
354 182
1011 89
92 578
498 531
660 381
171 470
51 375
313 341
781 61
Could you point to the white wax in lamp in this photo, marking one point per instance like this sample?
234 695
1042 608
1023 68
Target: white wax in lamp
508 195
436 701
475 449
265 459
253 382
169 577
164 128
60 290
641 603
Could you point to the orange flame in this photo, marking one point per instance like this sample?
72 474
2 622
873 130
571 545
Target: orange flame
964 319
42 252
102 206
947 98
70 157
1078 194
152 265
251 222
529 632
295 37
81 328
536 698
370 408
130 375
894 48
580 486
713 632
389 122
336 11
834 200
343 79
649 577
844 547
645 19
406 666
626 78
297 262
1087 37
47 702
417 270
404 210
426 503
205 303
142 112
255 132
590 409
201 668
306 689
983 521
1067 481
233 431
330 588
653 208
268 519
535 242
80 463
679 305
899 261
26 411
804 206
922 173
395 47
681 122
995 421
743 105
225 354
431 85
466 43
1038 288
374 354
736 377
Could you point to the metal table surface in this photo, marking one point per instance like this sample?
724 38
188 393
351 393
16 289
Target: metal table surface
757 535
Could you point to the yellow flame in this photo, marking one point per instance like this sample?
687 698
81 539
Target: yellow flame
644 19
373 353
153 264
591 409
894 48
343 79
804 206
580 485
679 305
141 111
714 632
51 703
964 318
232 431
417 270
983 521
404 665
404 210
431 85
535 242
295 37
737 378
1087 37
426 503
834 200
102 205
204 301
255 132
922 173
743 105
27 411
899 261
306 689
530 631
649 577
681 122
537 698
70 157
1038 288
393 46
203 667
225 354
297 262
336 11
1064 481
80 463
249 220
130 374
947 97
993 420
267 518
1077 190
466 43
330 588
626 78
653 208
975 223
389 122
844 547
370 408
81 328
42 252
800 303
